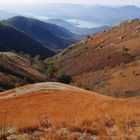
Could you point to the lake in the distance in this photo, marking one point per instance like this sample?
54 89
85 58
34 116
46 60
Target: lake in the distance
75 22
83 24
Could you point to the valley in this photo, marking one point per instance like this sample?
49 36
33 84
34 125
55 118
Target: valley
61 78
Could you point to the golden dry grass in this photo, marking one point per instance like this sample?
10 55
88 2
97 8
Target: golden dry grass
73 108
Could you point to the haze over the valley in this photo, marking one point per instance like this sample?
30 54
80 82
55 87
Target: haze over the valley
80 13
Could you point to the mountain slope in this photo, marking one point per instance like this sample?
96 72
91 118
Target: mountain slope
48 34
58 111
103 62
12 39
16 70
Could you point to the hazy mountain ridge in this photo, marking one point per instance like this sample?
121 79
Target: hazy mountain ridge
12 39
47 34
104 15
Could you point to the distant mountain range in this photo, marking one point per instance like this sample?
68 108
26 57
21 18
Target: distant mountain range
12 39
47 34
102 15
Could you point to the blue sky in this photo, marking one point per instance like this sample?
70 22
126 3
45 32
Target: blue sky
106 2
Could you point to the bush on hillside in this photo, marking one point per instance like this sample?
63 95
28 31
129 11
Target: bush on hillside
63 78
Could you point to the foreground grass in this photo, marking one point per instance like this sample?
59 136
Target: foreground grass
107 129
68 114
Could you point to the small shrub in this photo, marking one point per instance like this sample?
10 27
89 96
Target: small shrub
66 79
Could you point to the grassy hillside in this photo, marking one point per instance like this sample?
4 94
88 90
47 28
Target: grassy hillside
106 62
12 39
16 70
61 112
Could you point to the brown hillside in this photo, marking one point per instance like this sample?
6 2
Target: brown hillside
16 70
51 108
94 61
